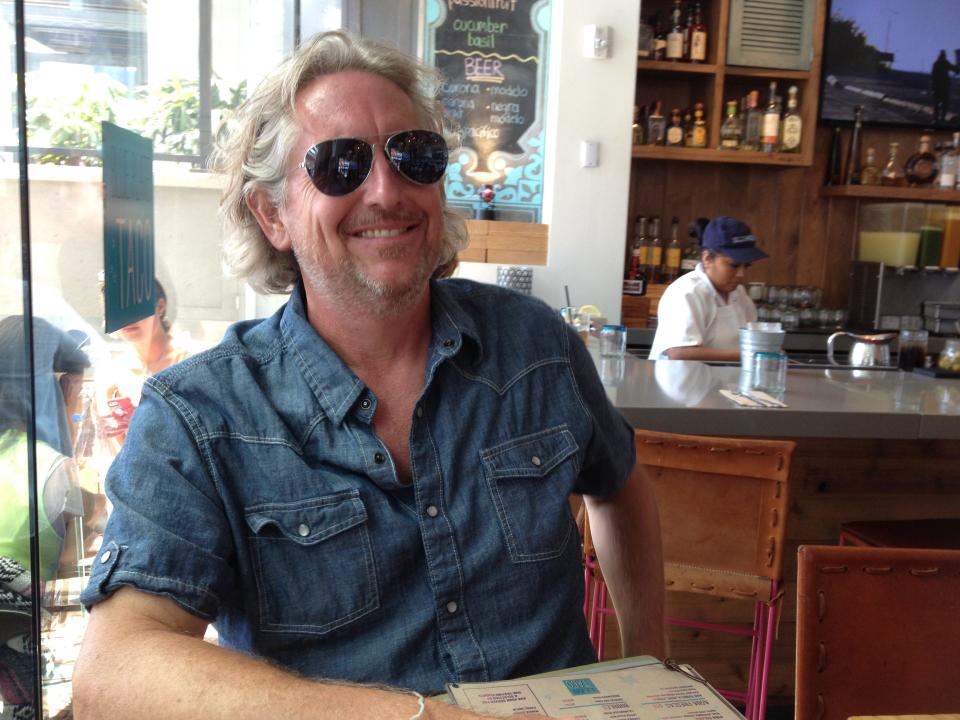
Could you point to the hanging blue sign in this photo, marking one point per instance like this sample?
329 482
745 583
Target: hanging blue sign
128 243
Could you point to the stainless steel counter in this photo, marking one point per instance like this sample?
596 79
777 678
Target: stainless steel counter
683 396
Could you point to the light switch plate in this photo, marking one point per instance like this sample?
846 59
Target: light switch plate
589 154
596 41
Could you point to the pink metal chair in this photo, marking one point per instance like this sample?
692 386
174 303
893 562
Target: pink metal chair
723 511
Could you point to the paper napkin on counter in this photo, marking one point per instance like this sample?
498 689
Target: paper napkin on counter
753 398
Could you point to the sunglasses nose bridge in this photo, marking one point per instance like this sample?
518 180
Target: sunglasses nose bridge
383 177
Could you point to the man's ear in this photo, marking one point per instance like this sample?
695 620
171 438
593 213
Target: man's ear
268 218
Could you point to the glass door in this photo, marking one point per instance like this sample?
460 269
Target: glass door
169 71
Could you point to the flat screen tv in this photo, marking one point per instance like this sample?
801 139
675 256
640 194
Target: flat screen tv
900 59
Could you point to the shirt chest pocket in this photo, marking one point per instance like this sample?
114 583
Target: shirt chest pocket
313 563
529 479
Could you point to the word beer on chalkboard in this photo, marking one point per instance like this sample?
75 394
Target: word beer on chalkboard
490 53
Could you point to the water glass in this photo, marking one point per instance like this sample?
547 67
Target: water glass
770 373
913 349
613 341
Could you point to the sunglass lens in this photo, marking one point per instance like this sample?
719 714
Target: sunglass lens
338 167
420 155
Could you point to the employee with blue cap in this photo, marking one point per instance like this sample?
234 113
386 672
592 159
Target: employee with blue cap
700 313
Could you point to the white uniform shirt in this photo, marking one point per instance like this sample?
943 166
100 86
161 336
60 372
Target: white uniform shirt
692 312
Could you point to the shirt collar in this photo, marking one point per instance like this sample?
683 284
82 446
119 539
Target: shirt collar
335 385
450 318
702 272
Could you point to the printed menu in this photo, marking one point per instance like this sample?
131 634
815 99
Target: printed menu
634 689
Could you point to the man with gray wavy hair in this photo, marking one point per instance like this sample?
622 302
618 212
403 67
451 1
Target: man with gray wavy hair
366 493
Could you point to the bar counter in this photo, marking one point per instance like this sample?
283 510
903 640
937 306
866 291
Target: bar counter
683 396
871 445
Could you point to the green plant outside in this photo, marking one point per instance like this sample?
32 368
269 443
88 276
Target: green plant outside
69 116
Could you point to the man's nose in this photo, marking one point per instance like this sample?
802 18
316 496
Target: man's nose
384 185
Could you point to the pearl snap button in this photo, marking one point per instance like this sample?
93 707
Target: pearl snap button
304 529
379 458
536 460
106 556
419 412
365 403
452 607
432 510
448 343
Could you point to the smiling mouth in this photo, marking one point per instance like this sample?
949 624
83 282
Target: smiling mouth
383 233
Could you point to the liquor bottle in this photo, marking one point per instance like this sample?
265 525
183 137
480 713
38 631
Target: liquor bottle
792 124
638 255
656 125
730 130
673 253
675 36
698 137
645 41
892 174
835 163
659 40
698 37
637 135
921 168
687 29
770 132
675 128
870 174
690 258
688 127
752 123
948 164
851 175
654 251
634 278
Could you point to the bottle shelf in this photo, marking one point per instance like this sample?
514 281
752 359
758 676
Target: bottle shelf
680 68
884 192
662 152
772 73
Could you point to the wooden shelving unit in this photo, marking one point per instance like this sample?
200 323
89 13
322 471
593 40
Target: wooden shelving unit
680 68
716 155
680 84
883 192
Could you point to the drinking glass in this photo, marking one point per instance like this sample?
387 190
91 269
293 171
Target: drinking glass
912 349
770 372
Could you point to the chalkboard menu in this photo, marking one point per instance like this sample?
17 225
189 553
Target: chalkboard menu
492 54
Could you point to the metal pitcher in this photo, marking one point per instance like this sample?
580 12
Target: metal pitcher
866 351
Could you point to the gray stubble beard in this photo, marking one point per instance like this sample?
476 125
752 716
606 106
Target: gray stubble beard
349 288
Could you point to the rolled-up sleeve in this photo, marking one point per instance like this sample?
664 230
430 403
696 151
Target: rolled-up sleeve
167 534
681 321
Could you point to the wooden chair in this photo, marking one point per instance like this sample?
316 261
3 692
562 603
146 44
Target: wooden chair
937 533
877 631
723 511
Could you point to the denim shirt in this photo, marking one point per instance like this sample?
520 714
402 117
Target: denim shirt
253 491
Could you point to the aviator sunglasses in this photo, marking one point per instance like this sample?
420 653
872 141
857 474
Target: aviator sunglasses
340 166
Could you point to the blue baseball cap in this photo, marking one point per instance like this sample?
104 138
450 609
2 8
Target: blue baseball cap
733 238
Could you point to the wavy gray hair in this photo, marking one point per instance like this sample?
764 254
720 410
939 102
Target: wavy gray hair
253 148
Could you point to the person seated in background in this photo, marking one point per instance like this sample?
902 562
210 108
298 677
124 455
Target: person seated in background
372 486
150 348
700 314
56 357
